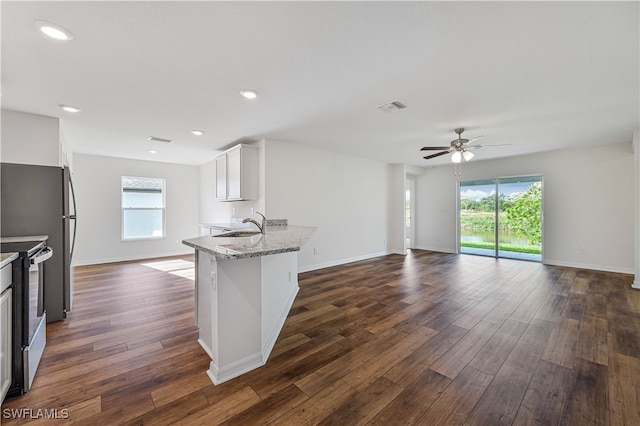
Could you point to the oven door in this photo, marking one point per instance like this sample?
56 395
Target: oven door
36 289
37 317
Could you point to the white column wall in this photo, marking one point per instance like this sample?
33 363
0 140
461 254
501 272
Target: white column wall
636 193
345 197
30 139
395 204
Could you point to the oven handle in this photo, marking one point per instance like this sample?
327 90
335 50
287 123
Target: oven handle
42 255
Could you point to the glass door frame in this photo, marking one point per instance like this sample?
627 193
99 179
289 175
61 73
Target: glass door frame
496 181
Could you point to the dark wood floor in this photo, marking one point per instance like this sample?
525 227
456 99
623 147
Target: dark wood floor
430 338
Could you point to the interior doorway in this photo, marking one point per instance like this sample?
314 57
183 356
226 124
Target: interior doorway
501 217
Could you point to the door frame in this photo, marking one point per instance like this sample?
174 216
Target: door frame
410 231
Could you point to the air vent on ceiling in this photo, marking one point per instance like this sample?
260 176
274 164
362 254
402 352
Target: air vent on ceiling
392 106
155 139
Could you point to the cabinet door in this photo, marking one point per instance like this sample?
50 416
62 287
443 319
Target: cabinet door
5 343
234 174
221 177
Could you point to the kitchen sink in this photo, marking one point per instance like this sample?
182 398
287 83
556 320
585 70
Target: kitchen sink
238 234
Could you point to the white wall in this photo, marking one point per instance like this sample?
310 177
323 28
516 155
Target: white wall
636 191
588 201
395 208
344 196
97 183
30 139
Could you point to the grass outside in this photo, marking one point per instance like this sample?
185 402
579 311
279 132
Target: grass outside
530 249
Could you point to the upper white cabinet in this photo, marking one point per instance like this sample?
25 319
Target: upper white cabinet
237 174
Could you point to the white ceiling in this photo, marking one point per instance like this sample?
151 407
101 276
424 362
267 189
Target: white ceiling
537 75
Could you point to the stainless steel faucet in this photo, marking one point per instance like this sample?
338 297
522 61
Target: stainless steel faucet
262 227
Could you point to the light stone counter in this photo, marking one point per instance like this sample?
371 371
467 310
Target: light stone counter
278 239
24 239
7 258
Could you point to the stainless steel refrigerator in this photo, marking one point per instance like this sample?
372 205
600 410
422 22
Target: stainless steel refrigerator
39 200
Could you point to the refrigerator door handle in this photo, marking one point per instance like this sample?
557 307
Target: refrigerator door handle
74 218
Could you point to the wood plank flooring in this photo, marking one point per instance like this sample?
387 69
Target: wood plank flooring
423 339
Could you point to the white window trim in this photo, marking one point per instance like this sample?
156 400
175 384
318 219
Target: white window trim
164 212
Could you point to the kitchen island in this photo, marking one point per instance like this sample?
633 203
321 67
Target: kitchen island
245 287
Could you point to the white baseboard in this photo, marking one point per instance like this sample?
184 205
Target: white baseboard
206 348
233 370
437 249
603 268
130 258
338 262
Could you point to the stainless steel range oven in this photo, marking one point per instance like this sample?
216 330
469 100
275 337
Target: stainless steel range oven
29 315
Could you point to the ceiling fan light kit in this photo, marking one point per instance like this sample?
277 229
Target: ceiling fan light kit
459 149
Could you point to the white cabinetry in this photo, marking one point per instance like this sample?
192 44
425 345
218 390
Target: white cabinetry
221 177
6 332
237 174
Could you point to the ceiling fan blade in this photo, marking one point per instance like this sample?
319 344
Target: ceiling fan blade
472 140
436 155
434 148
483 146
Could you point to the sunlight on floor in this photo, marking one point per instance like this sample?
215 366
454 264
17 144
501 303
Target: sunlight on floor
179 267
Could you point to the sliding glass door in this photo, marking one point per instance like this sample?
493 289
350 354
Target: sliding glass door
502 217
478 217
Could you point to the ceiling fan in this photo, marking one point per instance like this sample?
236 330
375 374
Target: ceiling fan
459 147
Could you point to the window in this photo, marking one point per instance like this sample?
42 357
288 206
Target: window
143 205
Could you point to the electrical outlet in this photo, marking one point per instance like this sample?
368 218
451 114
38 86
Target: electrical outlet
251 211
233 211
581 250
315 251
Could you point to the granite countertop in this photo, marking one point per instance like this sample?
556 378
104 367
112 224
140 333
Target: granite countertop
278 239
7 258
24 239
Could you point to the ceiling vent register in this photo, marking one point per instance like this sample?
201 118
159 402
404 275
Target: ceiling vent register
392 106
155 139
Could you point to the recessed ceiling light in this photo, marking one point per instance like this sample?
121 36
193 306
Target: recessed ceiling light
153 151
54 31
249 93
70 108
197 132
